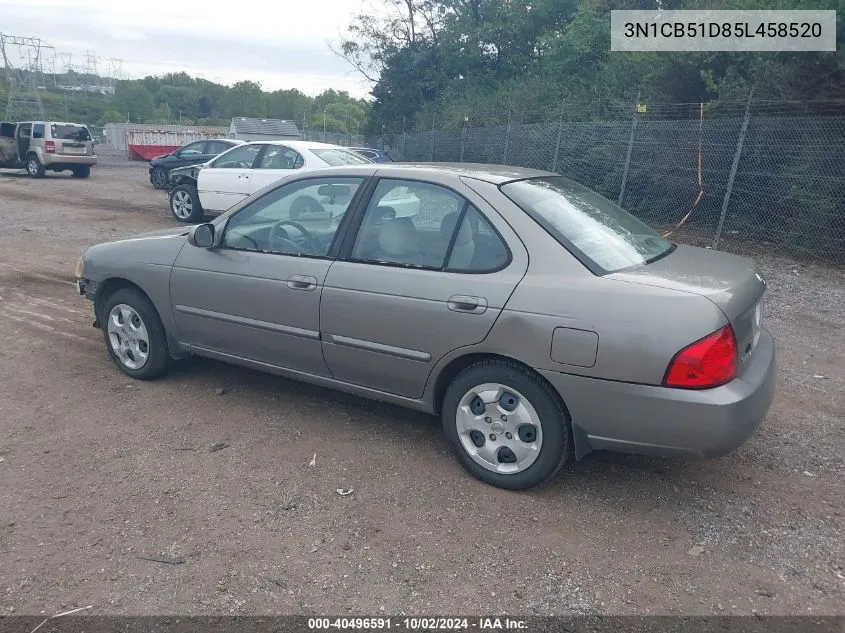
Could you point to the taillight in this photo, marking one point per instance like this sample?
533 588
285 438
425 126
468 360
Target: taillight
50 147
709 362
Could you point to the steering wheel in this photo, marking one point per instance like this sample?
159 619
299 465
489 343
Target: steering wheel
306 240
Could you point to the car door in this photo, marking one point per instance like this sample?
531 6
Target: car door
276 162
225 181
256 295
412 288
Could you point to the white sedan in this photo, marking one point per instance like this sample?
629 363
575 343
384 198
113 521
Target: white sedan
229 178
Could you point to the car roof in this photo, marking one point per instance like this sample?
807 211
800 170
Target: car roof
48 122
299 144
496 174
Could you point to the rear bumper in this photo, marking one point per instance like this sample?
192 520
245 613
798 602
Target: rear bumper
660 421
55 160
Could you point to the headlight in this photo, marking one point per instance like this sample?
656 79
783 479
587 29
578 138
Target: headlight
80 268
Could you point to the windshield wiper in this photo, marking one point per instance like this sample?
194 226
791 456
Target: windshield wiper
671 248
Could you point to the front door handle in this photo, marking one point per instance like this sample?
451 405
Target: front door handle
463 303
302 282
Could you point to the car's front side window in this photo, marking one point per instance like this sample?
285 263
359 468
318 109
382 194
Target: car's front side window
194 149
300 218
240 157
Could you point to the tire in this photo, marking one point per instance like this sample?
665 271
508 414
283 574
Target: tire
158 178
538 425
34 167
185 204
81 171
128 318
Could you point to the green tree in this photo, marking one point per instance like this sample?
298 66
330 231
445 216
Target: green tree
135 100
246 98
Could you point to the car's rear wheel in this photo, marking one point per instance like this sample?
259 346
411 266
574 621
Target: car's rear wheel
185 204
506 425
34 167
135 335
81 171
158 178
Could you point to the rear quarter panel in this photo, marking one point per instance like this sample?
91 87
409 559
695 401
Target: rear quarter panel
639 328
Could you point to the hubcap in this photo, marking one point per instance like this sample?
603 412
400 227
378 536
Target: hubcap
158 177
182 204
33 167
128 336
499 428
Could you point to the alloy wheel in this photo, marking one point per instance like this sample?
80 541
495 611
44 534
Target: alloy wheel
128 336
182 204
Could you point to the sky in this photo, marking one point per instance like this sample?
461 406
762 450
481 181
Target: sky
282 44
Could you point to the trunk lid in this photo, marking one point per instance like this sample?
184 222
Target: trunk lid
731 282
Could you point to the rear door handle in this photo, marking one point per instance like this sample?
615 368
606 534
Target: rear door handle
463 303
302 282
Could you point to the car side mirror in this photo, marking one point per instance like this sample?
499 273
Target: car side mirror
202 235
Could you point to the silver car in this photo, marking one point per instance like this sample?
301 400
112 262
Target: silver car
537 318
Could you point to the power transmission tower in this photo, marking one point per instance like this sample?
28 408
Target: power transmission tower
115 73
92 82
25 60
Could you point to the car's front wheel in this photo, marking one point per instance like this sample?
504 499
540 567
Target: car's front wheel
185 204
506 425
158 178
135 335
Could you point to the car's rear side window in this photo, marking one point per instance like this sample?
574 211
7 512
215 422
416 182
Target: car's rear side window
339 157
600 233
38 130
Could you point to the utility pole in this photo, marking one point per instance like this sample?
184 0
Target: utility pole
324 127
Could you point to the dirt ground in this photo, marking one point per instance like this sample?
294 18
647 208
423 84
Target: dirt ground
97 471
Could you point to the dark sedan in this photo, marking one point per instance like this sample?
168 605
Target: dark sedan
375 155
191 154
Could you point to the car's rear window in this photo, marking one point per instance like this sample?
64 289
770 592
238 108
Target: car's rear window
599 232
338 157
69 132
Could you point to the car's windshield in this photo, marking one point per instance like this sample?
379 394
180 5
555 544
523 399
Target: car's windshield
338 157
68 132
602 232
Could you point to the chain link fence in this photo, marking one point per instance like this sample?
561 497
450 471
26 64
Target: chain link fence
335 138
745 177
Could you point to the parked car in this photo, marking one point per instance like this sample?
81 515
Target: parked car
537 318
39 146
226 180
191 154
375 155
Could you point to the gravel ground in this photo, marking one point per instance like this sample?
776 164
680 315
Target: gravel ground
112 495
